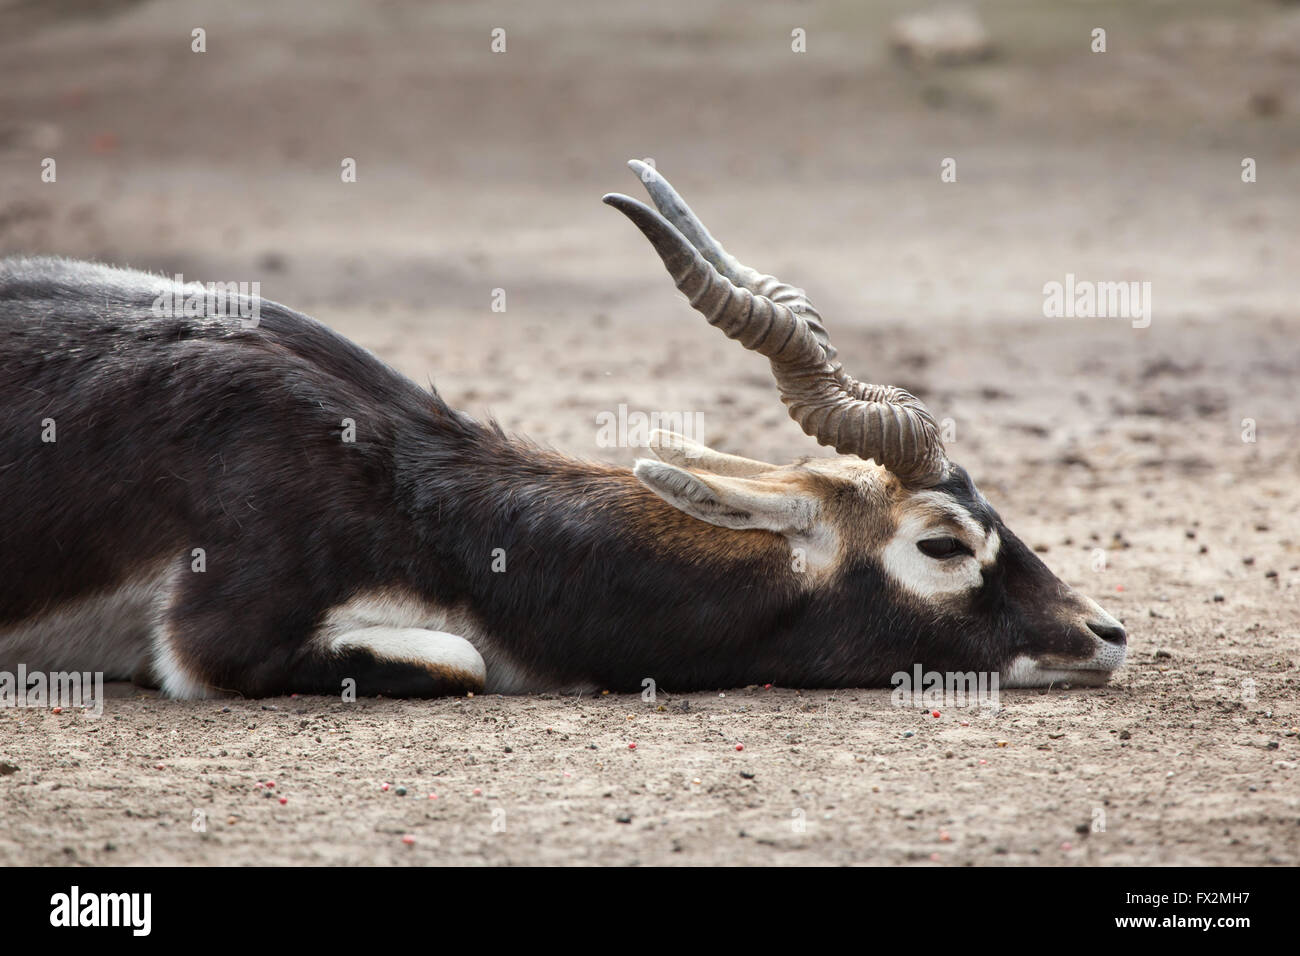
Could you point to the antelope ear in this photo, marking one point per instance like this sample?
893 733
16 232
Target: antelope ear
775 503
679 450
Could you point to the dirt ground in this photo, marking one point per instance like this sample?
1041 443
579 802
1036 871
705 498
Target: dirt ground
1116 451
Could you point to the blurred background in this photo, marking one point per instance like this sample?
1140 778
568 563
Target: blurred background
479 170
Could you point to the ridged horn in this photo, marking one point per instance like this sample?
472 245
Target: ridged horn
880 422
673 208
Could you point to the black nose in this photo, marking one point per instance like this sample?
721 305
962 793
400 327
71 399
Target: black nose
1110 633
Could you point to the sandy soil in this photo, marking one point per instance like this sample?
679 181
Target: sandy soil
480 171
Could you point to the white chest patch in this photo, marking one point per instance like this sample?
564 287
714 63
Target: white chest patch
932 578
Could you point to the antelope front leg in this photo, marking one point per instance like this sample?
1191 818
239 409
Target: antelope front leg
380 660
402 662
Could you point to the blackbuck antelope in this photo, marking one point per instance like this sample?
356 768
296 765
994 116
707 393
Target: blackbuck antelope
212 505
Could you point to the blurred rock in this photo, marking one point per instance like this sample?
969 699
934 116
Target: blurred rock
946 37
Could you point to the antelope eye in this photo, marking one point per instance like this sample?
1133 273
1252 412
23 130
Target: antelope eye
940 548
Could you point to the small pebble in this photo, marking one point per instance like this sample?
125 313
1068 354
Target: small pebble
909 733
56 710
400 791
1002 743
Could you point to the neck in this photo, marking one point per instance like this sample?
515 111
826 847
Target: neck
580 575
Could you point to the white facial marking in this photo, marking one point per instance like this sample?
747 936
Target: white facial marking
929 577
1024 671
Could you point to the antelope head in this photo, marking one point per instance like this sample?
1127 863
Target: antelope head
922 569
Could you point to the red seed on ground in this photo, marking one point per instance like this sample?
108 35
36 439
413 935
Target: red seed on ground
408 839
934 713
105 142
433 796
159 766
56 710
270 785
478 792
631 746
283 801
740 746
767 687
